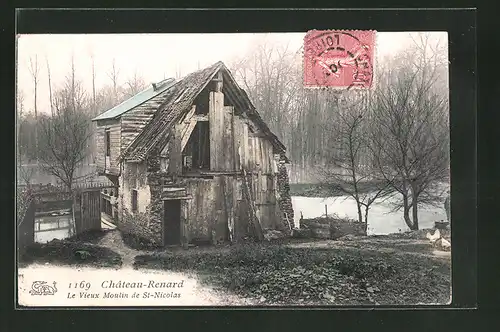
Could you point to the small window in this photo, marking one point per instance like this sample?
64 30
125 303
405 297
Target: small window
108 144
134 200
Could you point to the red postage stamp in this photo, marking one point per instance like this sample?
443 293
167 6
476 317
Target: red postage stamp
340 59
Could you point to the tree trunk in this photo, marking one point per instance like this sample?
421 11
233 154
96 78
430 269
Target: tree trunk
414 213
406 213
414 206
360 213
366 220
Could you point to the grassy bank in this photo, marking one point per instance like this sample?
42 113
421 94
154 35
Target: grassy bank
278 274
324 190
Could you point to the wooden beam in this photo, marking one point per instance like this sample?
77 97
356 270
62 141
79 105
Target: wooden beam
187 133
175 165
257 134
201 117
216 127
252 209
189 115
218 82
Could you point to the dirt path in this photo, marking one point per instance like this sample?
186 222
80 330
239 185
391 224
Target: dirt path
114 241
399 246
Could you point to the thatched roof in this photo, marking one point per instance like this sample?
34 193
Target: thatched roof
176 103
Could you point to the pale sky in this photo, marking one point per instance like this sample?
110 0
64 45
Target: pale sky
154 56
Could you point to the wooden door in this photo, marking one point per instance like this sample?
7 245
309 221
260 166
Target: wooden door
172 222
90 211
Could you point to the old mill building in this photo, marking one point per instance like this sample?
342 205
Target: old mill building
192 160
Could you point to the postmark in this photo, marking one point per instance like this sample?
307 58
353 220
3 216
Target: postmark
342 59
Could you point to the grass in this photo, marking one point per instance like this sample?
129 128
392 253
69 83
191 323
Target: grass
70 252
91 237
279 274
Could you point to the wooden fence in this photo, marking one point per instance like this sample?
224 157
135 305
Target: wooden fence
84 204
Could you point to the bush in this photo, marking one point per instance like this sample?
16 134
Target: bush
92 236
137 242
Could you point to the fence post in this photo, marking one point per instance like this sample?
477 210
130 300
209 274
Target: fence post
77 211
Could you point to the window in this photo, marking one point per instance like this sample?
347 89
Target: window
196 154
133 175
134 200
108 144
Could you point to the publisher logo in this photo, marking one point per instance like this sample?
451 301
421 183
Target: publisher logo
42 288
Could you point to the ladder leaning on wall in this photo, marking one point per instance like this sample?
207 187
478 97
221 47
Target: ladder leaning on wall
252 210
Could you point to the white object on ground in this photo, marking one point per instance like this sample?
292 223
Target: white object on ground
436 236
445 243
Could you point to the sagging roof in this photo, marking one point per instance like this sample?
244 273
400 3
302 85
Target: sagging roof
154 90
177 101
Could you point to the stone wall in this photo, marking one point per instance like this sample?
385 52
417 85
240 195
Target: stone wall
331 228
147 221
143 226
283 193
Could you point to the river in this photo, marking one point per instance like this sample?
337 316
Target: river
380 218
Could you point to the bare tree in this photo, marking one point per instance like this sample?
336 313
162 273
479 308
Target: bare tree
19 104
24 173
411 145
72 91
92 125
178 72
113 75
94 111
269 74
134 85
64 139
50 85
34 71
348 170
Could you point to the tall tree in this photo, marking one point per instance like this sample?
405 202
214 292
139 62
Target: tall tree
34 71
50 85
411 121
113 74
92 59
348 169
64 138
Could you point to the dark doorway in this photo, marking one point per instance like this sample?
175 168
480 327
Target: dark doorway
172 222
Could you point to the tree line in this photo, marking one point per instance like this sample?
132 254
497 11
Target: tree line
369 145
391 141
59 140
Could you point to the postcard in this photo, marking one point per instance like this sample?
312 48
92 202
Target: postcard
237 169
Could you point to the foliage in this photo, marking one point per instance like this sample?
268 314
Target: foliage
71 253
23 199
137 242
